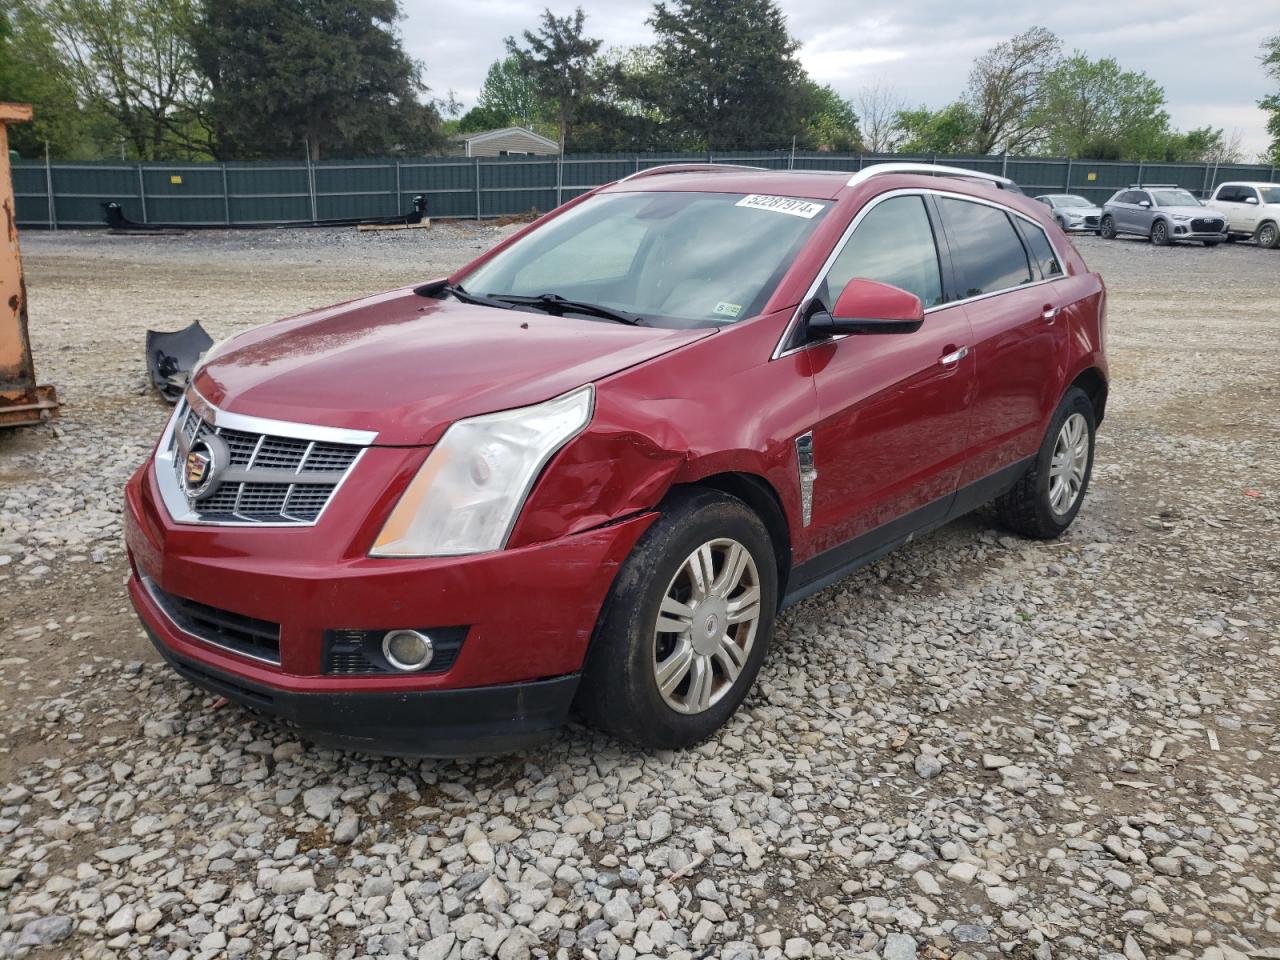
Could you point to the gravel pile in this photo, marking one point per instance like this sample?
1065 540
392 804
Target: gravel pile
980 746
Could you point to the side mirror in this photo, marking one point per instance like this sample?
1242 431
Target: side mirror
1253 200
1144 203
868 306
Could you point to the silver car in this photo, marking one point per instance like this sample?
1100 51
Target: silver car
1073 212
1163 213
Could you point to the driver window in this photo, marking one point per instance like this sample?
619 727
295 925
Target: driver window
893 244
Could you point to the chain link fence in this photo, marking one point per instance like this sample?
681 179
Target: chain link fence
265 193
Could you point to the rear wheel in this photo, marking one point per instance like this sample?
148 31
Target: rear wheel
1108 230
1160 233
686 626
1269 236
1047 498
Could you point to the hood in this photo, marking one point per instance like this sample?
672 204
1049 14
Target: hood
1081 211
1191 212
406 366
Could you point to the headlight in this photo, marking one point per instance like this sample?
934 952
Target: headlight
1181 217
466 496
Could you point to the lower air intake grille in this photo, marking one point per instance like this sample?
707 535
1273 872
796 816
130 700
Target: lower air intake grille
259 639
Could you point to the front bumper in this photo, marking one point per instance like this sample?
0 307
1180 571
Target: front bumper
529 614
438 723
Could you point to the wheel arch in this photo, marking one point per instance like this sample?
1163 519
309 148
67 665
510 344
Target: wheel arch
758 494
1094 385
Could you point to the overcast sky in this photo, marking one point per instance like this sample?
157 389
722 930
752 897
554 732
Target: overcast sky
1204 55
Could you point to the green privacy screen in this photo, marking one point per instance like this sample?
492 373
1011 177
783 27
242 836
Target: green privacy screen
267 193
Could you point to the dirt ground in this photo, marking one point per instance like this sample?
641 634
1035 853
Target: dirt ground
1128 674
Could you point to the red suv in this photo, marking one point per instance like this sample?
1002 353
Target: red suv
590 467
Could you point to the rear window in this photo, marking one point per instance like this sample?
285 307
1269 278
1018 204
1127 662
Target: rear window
1042 251
985 247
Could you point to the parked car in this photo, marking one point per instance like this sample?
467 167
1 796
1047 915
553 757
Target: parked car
1251 209
1072 212
592 465
1163 213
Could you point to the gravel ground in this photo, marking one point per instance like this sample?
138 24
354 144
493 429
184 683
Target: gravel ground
978 746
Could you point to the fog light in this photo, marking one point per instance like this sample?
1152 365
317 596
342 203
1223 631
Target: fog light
407 650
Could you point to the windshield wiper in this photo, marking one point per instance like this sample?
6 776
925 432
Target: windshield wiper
558 305
455 290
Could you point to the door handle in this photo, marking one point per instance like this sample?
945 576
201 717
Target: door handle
954 357
1050 313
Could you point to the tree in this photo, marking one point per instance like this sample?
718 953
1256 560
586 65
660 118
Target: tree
1205 145
729 74
508 97
620 115
949 130
1005 89
828 121
1271 104
131 61
26 53
878 109
557 58
1086 105
328 73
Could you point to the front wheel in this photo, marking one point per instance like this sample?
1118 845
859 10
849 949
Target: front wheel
1160 233
1269 236
686 626
1211 243
1047 498
1108 231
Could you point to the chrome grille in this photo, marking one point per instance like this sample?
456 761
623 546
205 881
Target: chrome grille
1207 225
270 478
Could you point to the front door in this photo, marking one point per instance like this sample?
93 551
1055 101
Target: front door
893 408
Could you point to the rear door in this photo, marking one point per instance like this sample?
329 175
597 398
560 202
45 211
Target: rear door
1013 305
893 408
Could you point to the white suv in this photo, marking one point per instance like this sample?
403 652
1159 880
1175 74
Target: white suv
1251 209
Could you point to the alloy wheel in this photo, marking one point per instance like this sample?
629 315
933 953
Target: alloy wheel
1159 233
1069 463
1267 236
706 626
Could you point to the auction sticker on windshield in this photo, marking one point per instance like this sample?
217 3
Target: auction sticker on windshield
789 205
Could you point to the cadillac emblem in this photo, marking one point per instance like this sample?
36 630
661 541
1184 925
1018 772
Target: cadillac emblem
204 462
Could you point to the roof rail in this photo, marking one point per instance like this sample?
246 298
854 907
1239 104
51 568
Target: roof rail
688 168
1154 186
936 169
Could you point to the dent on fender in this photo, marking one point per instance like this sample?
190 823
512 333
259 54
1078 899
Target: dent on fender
605 474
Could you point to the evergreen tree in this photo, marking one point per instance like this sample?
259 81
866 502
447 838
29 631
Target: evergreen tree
558 58
328 73
729 75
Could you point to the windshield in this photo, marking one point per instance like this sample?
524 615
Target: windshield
1174 198
1270 194
1072 201
669 259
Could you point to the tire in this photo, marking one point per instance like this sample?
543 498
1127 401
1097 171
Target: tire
619 691
1108 230
1232 238
1269 236
1029 508
1160 233
1062 224
1210 243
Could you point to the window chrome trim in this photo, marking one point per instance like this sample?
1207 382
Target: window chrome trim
779 351
163 607
931 169
164 467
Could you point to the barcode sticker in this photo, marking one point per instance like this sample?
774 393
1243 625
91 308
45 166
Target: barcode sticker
789 205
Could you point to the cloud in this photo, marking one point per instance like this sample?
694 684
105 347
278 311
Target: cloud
922 49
